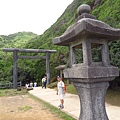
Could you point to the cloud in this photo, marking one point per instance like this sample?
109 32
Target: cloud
30 15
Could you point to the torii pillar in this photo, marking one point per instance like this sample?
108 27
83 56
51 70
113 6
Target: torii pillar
15 69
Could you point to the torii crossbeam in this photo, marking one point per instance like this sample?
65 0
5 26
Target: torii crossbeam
16 57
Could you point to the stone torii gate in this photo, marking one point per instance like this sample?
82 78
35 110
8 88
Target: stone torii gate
16 57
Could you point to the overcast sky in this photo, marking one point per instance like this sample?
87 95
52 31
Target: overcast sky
30 15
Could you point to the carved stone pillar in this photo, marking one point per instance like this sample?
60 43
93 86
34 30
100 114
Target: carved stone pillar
92 100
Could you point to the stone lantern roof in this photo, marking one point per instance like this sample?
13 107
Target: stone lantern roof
60 67
86 33
87 26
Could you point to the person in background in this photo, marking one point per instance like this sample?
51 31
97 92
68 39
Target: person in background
31 84
44 82
61 91
26 85
35 84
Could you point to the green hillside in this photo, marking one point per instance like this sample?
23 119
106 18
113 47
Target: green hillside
104 10
16 40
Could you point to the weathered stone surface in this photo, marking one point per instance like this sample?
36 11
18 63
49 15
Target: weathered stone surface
92 97
84 8
91 74
88 28
28 50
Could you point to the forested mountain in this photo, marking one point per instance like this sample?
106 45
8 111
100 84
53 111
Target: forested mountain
16 40
104 10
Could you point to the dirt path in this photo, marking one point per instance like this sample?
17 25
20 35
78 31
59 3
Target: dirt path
14 108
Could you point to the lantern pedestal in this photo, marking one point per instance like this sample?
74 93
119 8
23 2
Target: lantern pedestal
92 100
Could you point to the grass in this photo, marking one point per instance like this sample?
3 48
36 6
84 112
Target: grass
24 108
53 109
113 97
12 92
71 89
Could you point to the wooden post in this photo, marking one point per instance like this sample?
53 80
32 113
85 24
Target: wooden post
48 67
15 71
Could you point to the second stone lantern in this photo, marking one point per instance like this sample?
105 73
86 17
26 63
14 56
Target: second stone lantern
91 79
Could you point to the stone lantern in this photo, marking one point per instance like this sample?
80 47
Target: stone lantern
61 68
91 79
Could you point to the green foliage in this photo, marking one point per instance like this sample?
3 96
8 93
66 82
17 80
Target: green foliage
52 85
25 108
71 89
115 53
107 11
16 40
113 97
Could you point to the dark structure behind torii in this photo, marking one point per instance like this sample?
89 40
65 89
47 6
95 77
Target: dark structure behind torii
16 57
